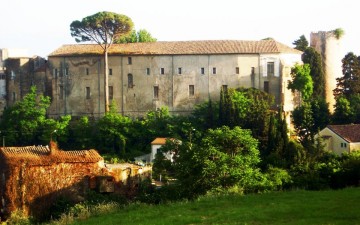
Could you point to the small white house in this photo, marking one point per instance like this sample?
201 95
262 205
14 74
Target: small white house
341 138
156 144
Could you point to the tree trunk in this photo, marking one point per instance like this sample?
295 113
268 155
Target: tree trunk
106 80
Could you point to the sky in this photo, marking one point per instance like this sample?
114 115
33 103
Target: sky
42 26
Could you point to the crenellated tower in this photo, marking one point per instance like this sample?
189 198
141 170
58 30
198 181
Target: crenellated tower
329 46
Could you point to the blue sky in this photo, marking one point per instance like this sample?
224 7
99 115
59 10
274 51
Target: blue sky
41 26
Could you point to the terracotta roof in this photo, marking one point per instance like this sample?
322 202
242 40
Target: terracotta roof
349 132
42 155
179 48
159 141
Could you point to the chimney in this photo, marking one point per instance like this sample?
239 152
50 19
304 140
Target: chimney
53 147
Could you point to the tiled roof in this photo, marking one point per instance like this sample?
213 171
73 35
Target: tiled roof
159 141
42 155
349 132
179 48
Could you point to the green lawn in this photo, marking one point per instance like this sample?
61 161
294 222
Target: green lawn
295 207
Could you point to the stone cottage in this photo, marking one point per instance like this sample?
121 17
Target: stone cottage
34 177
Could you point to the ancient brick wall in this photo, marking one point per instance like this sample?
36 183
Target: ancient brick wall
34 189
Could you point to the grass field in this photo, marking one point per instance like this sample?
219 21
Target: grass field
295 207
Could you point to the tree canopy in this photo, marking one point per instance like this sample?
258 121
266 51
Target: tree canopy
141 35
301 81
301 43
102 28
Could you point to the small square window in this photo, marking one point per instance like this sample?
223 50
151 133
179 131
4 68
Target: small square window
110 71
202 70
147 71
237 70
129 60
162 71
179 70
214 70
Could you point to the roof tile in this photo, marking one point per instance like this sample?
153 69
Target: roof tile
179 48
349 132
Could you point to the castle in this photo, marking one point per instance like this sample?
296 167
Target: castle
147 76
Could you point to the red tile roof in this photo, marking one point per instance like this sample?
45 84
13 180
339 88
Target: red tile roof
42 155
179 48
349 132
159 141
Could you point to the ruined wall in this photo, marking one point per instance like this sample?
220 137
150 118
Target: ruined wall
330 49
34 189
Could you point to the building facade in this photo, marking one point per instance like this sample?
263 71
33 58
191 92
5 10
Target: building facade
178 75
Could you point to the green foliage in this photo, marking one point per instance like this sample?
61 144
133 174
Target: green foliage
141 35
313 58
18 218
301 43
343 113
112 133
339 32
102 27
309 118
301 80
25 123
349 83
205 115
225 157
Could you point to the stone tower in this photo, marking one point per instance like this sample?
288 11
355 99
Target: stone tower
330 49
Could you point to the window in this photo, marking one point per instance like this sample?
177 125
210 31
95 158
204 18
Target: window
147 71
130 81
179 70
266 86
343 145
61 92
14 96
224 88
2 77
87 71
110 71
162 71
253 77
270 69
156 92
66 71
111 92
88 93
129 60
12 75
202 70
56 72
237 70
191 91
214 70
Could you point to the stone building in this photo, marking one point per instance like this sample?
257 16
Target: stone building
34 178
178 75
330 48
